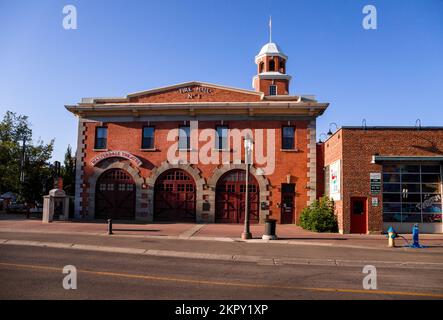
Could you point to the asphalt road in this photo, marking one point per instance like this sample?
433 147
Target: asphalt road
36 273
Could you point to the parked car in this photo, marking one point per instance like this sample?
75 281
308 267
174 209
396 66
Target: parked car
16 208
38 208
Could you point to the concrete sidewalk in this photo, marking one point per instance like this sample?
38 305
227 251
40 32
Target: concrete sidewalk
288 234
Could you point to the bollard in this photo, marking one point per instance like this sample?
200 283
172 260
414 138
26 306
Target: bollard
270 225
415 233
391 237
110 226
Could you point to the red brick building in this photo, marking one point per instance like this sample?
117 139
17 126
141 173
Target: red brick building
384 176
174 154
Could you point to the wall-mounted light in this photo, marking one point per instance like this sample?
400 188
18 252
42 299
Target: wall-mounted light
330 131
418 124
322 134
363 123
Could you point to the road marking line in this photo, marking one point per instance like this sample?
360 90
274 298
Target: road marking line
219 283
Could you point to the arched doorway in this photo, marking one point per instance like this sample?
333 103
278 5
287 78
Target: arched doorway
174 196
230 198
115 195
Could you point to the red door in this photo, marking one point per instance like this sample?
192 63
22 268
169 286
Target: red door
359 215
230 198
115 195
287 203
174 197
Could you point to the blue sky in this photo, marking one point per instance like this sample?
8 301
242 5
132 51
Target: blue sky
389 76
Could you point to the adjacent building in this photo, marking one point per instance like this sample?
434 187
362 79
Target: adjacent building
384 176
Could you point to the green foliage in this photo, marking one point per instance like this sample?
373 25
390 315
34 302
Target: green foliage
319 216
68 172
14 131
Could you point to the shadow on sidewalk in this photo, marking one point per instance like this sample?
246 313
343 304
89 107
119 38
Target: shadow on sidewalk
136 230
309 238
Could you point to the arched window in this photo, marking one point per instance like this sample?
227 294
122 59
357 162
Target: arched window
271 65
261 67
282 66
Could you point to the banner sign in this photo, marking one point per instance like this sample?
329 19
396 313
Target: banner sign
334 181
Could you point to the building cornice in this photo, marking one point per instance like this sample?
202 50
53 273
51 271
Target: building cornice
259 57
304 108
273 75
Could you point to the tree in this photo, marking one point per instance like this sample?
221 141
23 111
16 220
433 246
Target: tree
33 160
68 172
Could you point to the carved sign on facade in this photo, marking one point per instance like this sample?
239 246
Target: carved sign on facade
195 92
119 154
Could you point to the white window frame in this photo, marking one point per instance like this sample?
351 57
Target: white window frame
273 86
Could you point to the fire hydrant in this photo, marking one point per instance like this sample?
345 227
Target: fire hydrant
391 237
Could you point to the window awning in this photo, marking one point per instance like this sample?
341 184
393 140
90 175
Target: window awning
376 159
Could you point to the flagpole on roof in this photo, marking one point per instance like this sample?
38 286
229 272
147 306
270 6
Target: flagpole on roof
270 29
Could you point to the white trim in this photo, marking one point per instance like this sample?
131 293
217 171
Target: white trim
166 88
191 83
273 75
199 105
281 55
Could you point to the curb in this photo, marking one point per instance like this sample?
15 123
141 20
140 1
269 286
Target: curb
188 235
224 257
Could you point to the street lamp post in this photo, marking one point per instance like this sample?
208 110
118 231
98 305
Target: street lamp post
249 146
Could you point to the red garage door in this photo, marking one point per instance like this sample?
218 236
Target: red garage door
174 197
115 195
230 198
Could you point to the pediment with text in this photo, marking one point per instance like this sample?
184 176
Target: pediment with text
194 92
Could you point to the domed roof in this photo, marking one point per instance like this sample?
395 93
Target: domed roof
271 49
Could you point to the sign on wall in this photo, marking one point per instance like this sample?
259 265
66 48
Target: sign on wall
375 182
195 92
119 154
334 181
374 201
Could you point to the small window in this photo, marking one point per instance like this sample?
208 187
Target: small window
222 138
148 138
272 90
288 138
271 65
184 138
262 67
101 137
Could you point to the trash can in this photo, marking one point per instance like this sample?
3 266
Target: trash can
270 225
